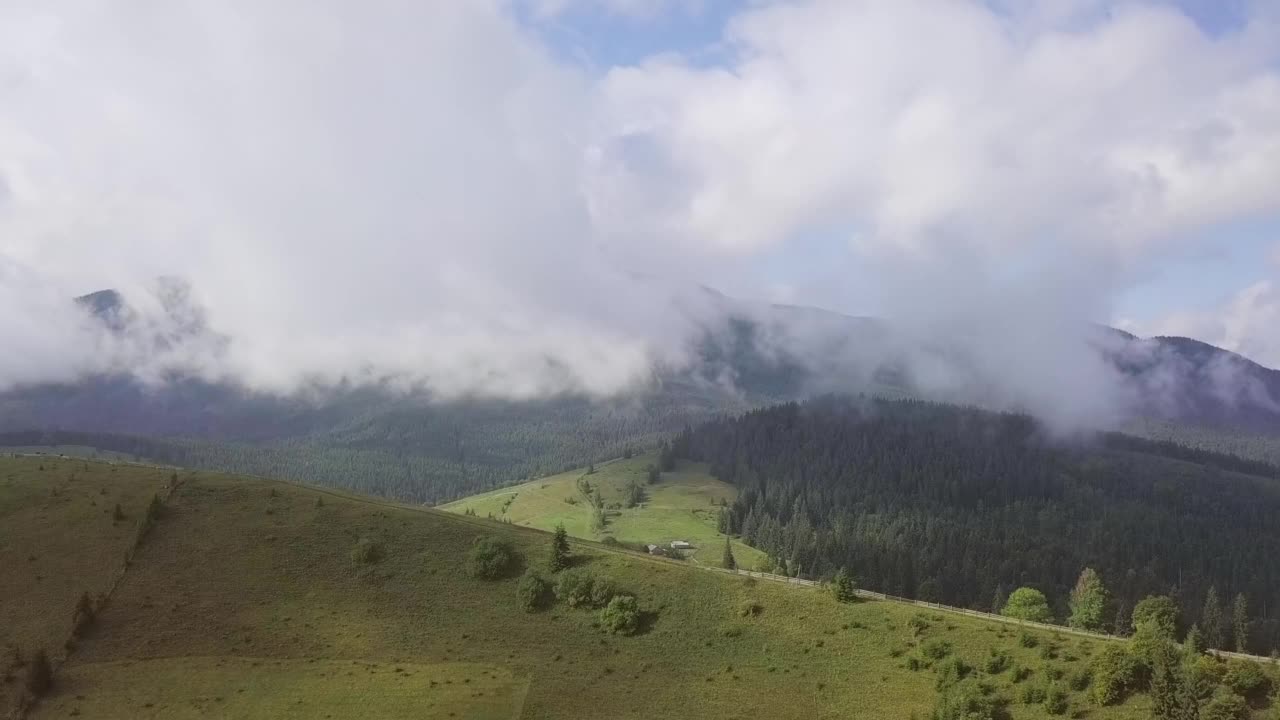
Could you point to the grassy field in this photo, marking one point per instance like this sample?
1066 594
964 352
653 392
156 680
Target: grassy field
245 601
683 505
59 537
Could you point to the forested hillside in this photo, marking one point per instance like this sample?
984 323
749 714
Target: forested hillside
961 506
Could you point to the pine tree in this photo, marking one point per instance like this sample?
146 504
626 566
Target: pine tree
1193 643
727 560
559 550
1213 621
843 587
1240 623
1088 601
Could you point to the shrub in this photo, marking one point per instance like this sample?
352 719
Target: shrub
1115 671
967 700
936 649
918 624
1021 673
366 552
491 558
750 608
1079 680
1246 679
951 671
1028 640
1032 694
533 591
1048 652
621 616
39 674
997 662
1055 700
602 591
1225 706
1204 673
573 588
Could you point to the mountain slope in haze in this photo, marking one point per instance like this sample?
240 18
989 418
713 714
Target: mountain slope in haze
413 446
245 599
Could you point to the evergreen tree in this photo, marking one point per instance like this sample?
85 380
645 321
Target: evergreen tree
653 474
1001 596
1193 643
844 587
726 559
1213 621
1240 623
1088 601
559 559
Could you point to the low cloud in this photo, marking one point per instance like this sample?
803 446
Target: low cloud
426 193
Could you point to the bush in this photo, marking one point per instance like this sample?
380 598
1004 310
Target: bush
491 558
602 591
1246 679
918 624
1204 673
750 608
997 662
951 671
1115 672
1055 700
573 588
1021 673
936 649
967 700
1225 706
533 591
1079 680
1028 640
82 618
366 552
1032 694
621 616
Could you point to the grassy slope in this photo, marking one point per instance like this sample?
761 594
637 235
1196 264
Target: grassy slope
58 539
244 602
684 505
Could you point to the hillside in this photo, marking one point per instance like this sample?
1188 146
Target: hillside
683 504
245 600
960 506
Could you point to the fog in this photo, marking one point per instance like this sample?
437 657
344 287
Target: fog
433 194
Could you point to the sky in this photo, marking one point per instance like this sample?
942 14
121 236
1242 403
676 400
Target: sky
518 197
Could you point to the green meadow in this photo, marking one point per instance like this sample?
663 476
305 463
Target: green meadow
246 600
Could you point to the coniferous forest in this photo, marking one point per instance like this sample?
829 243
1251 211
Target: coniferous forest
962 506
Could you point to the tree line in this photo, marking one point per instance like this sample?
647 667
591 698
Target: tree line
962 506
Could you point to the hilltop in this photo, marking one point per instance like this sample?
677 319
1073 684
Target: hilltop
253 598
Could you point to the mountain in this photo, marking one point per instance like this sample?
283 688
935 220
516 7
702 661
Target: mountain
414 446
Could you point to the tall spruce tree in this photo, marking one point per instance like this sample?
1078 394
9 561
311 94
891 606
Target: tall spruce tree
1213 621
1240 623
727 560
559 559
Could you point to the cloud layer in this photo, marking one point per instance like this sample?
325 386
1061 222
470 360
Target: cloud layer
428 192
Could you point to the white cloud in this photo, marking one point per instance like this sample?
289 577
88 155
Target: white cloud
423 190
372 189
1246 324
941 122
